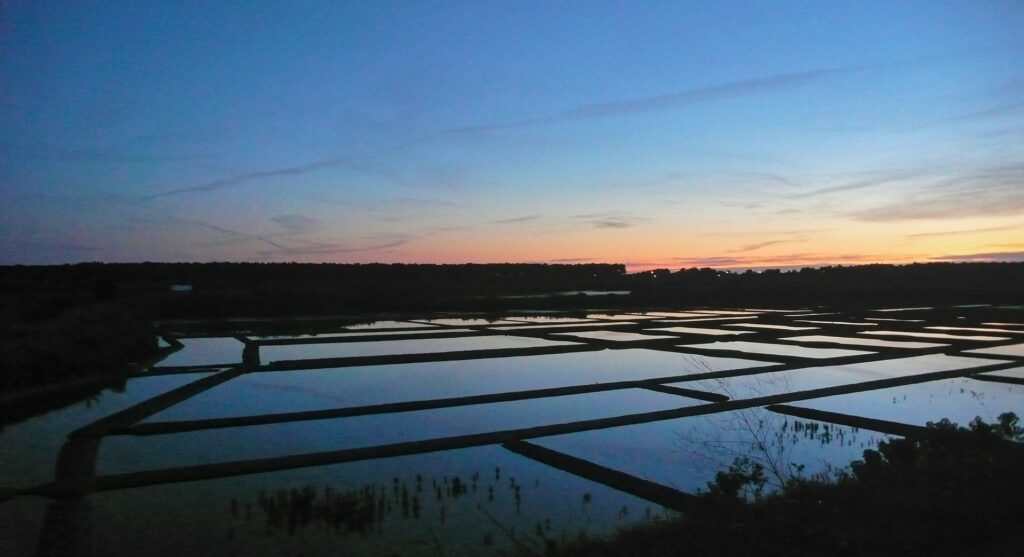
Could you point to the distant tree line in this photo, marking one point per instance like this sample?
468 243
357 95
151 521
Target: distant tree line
289 289
853 286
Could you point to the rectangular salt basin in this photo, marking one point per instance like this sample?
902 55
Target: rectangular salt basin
582 324
844 323
676 314
501 487
127 453
466 322
295 391
31 446
960 399
945 336
433 331
975 329
411 346
686 453
803 379
1008 350
698 319
619 317
724 312
701 331
769 326
863 341
614 336
1013 373
547 319
205 351
777 349
389 325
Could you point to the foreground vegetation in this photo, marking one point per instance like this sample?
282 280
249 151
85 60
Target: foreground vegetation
956 492
84 341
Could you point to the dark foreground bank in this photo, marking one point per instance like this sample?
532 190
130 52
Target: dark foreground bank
957 492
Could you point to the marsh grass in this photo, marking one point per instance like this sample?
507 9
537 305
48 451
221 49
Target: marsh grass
957 492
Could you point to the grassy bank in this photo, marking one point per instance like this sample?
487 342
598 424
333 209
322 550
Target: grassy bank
956 493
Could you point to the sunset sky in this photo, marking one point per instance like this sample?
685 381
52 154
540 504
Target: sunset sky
656 134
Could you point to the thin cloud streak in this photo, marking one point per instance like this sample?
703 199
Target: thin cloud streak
877 180
609 219
996 256
240 179
516 220
759 245
297 224
233 235
672 101
968 231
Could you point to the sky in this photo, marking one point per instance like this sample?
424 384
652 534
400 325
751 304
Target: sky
656 134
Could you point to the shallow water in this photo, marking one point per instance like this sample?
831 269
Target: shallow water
229 515
130 453
29 449
686 453
292 391
863 341
960 400
614 336
778 349
413 346
206 351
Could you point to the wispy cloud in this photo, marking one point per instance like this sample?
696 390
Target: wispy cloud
673 101
609 220
872 179
759 245
310 248
517 220
297 224
749 205
95 155
995 256
245 178
808 259
967 231
228 236
985 114
987 191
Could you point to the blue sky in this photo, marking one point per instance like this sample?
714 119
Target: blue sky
672 134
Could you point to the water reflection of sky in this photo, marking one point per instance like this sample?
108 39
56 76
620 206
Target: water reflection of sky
128 453
205 351
771 383
686 453
30 448
778 349
414 346
614 336
853 341
1008 350
960 399
290 391
562 504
